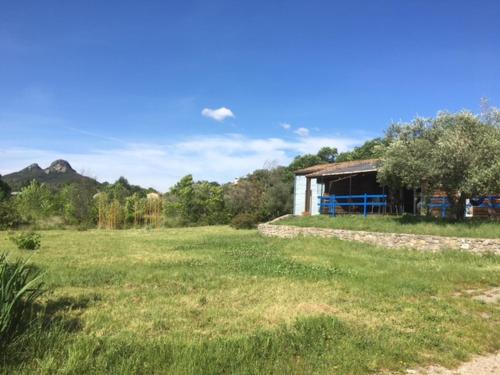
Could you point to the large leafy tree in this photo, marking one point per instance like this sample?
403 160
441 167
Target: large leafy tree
328 154
325 155
264 194
305 161
195 203
458 154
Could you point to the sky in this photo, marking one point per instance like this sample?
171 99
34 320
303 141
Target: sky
154 90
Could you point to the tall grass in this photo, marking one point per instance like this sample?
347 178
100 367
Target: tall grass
20 286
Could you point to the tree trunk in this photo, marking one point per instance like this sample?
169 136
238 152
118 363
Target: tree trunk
459 207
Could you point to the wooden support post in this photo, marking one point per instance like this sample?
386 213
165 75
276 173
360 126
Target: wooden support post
414 201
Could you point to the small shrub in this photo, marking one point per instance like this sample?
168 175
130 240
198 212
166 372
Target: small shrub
20 286
27 240
244 221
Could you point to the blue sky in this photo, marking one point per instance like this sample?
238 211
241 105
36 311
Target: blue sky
119 87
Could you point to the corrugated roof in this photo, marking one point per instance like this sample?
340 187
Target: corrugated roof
348 167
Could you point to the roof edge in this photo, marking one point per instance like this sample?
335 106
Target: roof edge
316 169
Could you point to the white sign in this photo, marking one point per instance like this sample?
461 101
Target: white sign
468 208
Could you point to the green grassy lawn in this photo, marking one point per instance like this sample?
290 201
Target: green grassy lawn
400 224
216 300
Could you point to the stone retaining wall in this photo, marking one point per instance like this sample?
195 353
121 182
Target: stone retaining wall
391 240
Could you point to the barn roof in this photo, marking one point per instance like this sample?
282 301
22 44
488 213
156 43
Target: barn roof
347 167
314 168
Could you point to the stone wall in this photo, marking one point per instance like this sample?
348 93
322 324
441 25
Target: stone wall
391 240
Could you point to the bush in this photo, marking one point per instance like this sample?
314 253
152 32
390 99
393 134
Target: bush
9 218
244 221
27 240
20 286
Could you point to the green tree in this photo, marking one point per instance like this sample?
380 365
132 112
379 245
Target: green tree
263 194
328 154
208 203
305 161
35 202
195 203
456 153
371 149
179 200
9 217
4 190
78 205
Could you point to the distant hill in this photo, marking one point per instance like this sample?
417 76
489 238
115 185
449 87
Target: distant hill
57 174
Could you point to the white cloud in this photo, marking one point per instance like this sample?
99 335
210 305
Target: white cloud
303 132
286 125
218 114
217 158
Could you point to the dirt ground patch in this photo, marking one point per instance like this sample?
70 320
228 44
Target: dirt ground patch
487 296
479 365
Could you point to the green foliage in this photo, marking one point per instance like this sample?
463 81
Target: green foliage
27 240
305 161
20 286
372 149
265 194
456 153
122 189
78 206
4 190
135 209
244 221
328 154
9 217
35 202
195 203
324 155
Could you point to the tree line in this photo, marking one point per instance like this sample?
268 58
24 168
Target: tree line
458 154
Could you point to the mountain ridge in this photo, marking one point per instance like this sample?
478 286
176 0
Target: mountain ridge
58 173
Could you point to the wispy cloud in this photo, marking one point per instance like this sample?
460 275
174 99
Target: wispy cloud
303 132
219 114
217 158
286 125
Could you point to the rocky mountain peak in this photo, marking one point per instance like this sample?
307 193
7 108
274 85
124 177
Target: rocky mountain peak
59 166
33 167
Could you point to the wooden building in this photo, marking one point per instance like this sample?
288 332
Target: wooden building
351 178
352 187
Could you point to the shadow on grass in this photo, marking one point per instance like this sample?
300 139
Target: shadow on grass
43 328
61 313
64 312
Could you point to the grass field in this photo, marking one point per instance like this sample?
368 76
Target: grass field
400 224
216 300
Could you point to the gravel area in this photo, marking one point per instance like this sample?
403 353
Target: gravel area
479 365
